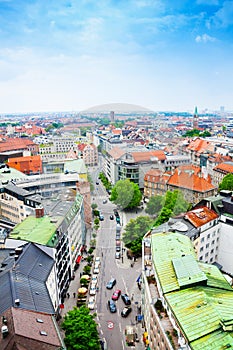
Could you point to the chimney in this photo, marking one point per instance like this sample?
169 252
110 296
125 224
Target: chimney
39 212
17 302
5 331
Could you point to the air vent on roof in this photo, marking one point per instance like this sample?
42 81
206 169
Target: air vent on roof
18 251
17 302
43 333
5 331
39 320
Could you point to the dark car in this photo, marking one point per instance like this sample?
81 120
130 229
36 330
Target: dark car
118 220
126 299
112 306
101 217
97 183
111 283
104 201
126 311
111 217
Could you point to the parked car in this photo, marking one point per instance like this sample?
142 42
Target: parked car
111 217
117 255
126 311
94 280
91 303
112 306
101 217
92 290
97 183
104 201
118 236
97 264
97 259
126 299
96 270
116 294
111 283
118 249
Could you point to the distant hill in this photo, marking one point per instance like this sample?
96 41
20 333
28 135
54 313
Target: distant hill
117 108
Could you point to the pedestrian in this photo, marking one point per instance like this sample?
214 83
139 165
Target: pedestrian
74 294
132 296
68 295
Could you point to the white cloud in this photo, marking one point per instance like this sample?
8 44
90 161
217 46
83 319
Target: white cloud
204 38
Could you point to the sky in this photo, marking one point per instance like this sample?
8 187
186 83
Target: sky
70 55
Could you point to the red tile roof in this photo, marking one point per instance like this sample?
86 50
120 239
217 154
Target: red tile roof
225 168
14 144
201 216
147 156
200 146
190 180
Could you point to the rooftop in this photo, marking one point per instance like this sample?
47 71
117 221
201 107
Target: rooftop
36 230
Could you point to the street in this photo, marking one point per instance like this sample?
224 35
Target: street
112 325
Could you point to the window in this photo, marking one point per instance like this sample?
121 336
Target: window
212 250
201 250
206 254
211 260
213 242
208 236
202 239
207 245
201 258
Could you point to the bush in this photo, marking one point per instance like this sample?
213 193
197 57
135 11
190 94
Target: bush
87 269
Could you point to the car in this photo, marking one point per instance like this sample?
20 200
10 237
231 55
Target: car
111 283
111 217
117 255
101 217
92 290
97 264
118 220
118 236
115 212
118 249
126 299
126 311
97 183
104 201
97 259
116 294
94 280
96 270
112 306
91 303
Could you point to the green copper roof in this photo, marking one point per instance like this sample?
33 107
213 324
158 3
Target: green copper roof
36 230
76 165
200 298
187 270
165 248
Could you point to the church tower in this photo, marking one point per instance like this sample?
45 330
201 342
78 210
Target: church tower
195 119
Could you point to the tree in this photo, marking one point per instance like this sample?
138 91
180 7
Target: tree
154 205
126 194
227 183
80 330
134 232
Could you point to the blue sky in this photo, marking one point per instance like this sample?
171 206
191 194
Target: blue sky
64 55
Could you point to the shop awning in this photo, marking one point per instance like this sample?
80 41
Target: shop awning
79 258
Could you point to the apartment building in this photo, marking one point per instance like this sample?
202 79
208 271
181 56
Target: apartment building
186 304
155 183
16 203
60 232
89 153
222 170
192 183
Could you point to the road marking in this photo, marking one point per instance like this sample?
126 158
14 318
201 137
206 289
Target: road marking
120 326
110 325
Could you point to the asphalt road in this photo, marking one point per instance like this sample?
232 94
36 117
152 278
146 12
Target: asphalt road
112 325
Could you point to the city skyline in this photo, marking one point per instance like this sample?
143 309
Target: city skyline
72 55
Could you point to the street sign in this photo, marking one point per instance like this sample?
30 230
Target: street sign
110 325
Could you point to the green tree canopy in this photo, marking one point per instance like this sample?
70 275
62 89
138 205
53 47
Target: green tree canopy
80 330
134 232
227 183
126 194
154 205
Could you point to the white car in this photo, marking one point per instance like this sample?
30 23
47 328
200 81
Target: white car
94 280
96 271
97 259
92 290
97 264
91 303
